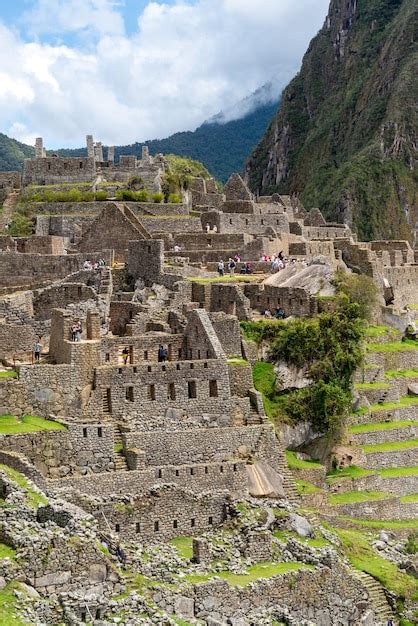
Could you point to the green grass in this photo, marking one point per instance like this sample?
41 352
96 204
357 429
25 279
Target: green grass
237 361
237 278
365 386
255 572
353 471
317 542
413 307
8 374
405 401
390 446
294 463
6 552
34 499
413 373
381 524
395 472
264 379
118 447
9 424
413 497
352 497
304 487
364 558
183 546
393 346
378 426
8 614
378 331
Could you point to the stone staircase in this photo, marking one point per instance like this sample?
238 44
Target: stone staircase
9 206
377 597
119 458
106 408
288 480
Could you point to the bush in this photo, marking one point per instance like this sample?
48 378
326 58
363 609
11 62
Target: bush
359 289
125 194
142 196
175 198
135 183
100 196
158 197
20 226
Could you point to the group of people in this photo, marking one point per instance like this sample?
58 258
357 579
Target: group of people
98 265
76 330
213 230
246 267
278 315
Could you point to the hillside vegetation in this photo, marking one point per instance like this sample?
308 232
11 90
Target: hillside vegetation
344 135
12 153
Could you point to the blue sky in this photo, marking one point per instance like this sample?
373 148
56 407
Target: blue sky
131 70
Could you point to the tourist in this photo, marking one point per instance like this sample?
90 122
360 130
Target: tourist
275 265
280 314
237 258
162 354
215 229
78 331
267 314
125 355
280 255
208 228
231 266
177 248
37 351
74 332
221 268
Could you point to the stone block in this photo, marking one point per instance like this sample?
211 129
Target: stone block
184 607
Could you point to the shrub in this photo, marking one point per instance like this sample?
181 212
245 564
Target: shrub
20 226
359 289
100 196
125 194
142 196
135 183
174 198
158 197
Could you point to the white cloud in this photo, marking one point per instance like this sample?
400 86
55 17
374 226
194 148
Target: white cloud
184 63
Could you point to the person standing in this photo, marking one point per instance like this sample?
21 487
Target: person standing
231 266
221 268
125 355
37 351
162 354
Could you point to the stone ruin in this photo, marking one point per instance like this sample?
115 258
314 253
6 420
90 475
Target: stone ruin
155 446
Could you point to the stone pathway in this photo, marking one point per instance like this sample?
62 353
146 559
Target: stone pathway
9 206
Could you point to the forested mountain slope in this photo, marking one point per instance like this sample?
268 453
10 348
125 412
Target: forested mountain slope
345 136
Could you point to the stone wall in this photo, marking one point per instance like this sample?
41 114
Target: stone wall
228 331
392 434
51 170
60 296
10 180
396 458
293 300
167 513
387 509
232 223
81 449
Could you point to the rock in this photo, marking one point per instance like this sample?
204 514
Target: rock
300 525
97 573
29 591
54 579
264 481
2 582
184 607
289 377
297 435
413 389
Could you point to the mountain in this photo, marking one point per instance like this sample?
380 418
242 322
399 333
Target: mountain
223 142
344 138
12 153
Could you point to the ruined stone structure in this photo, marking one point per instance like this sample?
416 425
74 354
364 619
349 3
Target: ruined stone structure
162 432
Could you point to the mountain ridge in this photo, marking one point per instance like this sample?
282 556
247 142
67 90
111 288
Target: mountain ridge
343 138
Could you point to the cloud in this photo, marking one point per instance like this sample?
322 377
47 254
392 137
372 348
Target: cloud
184 63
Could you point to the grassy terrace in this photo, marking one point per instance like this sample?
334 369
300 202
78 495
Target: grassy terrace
33 498
295 463
405 524
365 386
378 426
358 472
8 374
6 552
254 572
413 373
352 497
391 446
304 487
317 542
183 545
412 497
11 425
364 558
8 614
379 331
393 346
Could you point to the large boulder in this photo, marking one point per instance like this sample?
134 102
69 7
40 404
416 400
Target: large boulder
300 525
264 481
413 389
290 377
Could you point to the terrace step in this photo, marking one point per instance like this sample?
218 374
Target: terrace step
119 456
377 596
